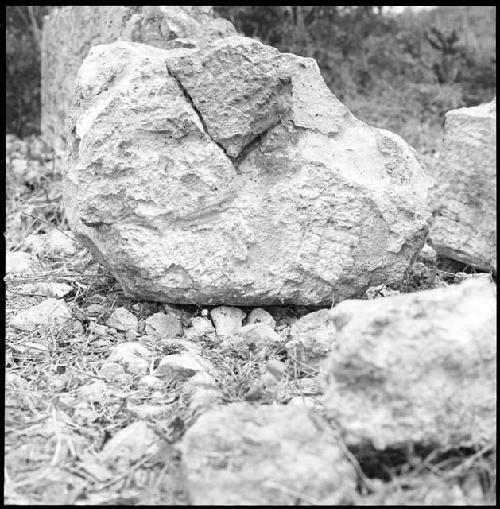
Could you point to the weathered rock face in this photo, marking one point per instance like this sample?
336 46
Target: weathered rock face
416 368
464 198
312 337
243 454
70 31
231 174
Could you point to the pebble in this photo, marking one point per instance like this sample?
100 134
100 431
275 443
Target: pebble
130 444
122 320
259 315
200 327
133 356
181 366
164 326
96 392
150 382
111 371
227 320
50 312
19 262
260 336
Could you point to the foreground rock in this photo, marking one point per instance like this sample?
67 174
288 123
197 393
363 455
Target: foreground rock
416 368
254 455
464 198
69 33
235 177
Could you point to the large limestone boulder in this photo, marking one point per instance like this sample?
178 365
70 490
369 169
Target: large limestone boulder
70 31
416 368
243 454
232 175
464 198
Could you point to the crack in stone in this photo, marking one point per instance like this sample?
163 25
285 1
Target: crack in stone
198 113
249 147
252 144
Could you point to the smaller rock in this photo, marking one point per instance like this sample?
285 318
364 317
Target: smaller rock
307 387
131 335
111 371
260 336
312 338
200 327
15 380
95 309
227 320
259 315
49 313
55 290
59 383
19 262
99 330
276 368
134 357
146 411
36 349
122 320
96 392
422 274
202 392
150 382
164 326
182 366
427 255
130 444
55 242
182 345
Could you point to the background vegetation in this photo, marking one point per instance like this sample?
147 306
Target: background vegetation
397 71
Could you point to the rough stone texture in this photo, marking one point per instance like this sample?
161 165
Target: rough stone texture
255 455
49 313
55 290
56 242
259 315
260 336
202 392
464 197
133 356
69 33
200 327
19 262
122 319
182 366
416 368
130 444
312 337
227 320
164 326
235 177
